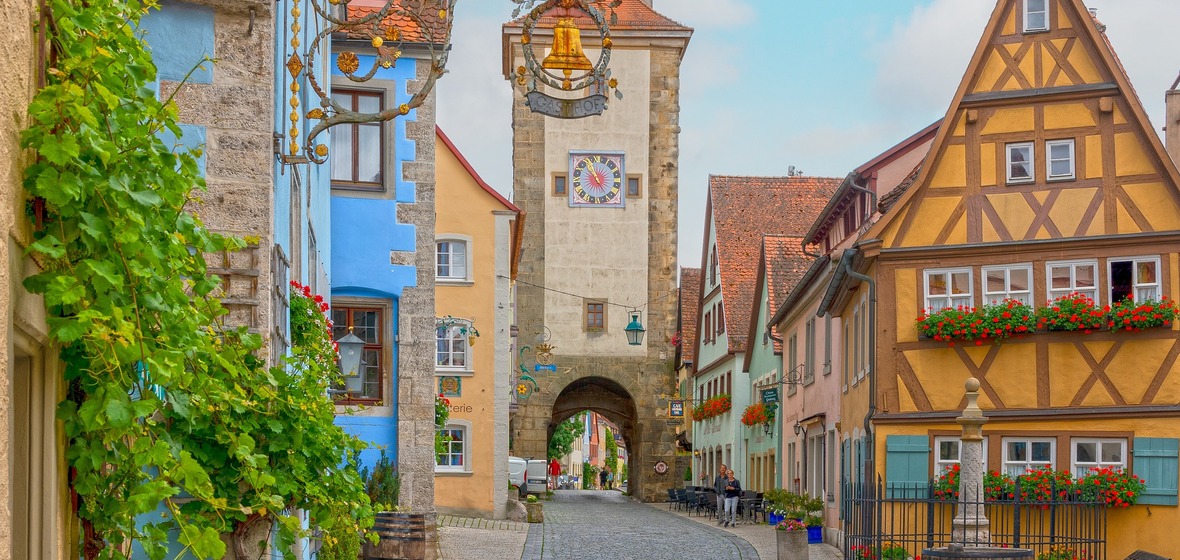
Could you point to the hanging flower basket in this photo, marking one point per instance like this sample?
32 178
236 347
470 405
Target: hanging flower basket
757 413
712 408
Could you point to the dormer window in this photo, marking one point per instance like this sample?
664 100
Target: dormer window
1036 15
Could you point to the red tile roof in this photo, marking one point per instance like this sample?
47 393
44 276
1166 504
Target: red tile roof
690 302
399 18
786 264
744 209
633 15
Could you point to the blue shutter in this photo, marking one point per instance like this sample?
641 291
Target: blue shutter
1157 460
907 466
846 487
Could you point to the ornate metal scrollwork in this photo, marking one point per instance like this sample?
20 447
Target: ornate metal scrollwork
389 28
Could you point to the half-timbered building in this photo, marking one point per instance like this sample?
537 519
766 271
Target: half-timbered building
1045 180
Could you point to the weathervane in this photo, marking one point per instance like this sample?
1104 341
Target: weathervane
578 73
423 22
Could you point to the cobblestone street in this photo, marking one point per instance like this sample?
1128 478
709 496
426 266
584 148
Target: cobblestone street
608 525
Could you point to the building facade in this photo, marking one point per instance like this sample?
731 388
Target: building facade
1046 181
475 237
591 262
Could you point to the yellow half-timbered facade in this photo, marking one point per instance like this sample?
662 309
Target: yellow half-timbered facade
1045 180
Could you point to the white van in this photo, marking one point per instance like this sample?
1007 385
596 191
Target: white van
537 476
516 468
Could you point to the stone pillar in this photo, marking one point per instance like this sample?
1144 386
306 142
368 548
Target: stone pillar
970 526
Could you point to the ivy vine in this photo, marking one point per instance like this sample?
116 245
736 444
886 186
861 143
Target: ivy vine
170 412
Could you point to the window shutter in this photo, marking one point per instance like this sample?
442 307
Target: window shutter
1157 462
907 466
846 491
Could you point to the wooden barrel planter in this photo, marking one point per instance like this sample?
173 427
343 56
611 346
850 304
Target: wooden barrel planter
403 537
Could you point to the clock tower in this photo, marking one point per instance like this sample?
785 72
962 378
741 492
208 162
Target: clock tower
599 246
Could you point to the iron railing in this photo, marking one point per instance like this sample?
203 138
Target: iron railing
880 520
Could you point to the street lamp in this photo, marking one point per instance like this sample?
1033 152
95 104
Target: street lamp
351 346
767 427
635 330
798 428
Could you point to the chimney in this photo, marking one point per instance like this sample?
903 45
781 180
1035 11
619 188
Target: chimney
1098 22
1172 121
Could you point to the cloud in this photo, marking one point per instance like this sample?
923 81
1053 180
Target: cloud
475 102
921 62
707 13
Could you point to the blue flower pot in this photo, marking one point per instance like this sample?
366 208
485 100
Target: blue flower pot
775 519
815 535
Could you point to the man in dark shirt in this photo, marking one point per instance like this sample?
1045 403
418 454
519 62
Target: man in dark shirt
719 488
733 491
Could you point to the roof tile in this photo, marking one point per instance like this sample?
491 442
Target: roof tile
690 298
744 210
400 17
786 264
633 15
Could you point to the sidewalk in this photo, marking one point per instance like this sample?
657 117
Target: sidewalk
761 536
467 537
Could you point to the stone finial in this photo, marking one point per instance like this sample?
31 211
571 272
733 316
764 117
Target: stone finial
972 419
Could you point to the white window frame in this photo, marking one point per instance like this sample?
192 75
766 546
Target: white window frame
1028 12
455 336
793 360
866 352
1008 293
1136 285
1073 279
1024 465
940 464
856 342
464 426
1049 159
1032 156
451 277
947 272
1080 470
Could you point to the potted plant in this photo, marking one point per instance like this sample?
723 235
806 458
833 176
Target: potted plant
791 539
813 518
533 507
776 505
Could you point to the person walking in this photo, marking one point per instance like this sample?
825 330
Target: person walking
733 490
719 489
554 472
610 479
602 479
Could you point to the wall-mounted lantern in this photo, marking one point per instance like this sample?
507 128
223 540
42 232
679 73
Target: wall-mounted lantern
635 330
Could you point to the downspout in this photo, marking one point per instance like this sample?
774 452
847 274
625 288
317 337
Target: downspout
870 446
872 194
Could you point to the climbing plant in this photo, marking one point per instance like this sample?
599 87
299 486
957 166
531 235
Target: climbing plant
170 411
562 440
612 454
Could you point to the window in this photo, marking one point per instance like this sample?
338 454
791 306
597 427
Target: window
633 188
1036 15
453 351
809 352
1020 167
454 457
855 358
707 328
847 354
1008 282
827 344
1097 453
948 288
595 316
713 267
559 185
1136 278
728 383
793 360
367 324
864 339
1021 454
1060 160
720 318
1068 277
358 150
949 453
451 260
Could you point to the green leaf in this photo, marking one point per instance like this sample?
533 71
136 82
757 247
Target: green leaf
146 198
59 149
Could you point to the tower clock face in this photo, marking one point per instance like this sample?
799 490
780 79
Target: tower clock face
596 179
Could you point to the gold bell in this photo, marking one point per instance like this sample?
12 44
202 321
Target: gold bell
567 52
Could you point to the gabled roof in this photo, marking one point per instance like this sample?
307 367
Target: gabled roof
1108 65
890 198
632 15
743 210
400 19
690 302
781 264
471 171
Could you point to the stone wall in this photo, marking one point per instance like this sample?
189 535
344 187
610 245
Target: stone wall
416 382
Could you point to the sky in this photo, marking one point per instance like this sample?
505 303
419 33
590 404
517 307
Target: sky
822 85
